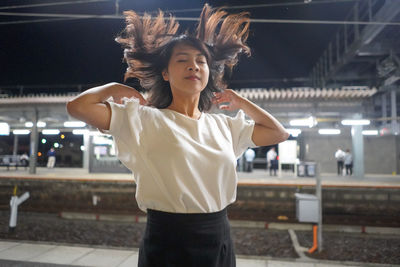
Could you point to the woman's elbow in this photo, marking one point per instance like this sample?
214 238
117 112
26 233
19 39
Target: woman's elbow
282 136
285 136
72 108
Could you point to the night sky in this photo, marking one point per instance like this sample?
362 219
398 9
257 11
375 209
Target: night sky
84 51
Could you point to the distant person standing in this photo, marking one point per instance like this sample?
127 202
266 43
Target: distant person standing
339 156
24 160
51 158
271 159
249 156
348 162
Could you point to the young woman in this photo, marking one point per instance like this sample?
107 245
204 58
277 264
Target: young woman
182 158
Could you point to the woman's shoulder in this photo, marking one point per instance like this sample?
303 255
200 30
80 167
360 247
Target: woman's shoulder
228 117
134 104
217 115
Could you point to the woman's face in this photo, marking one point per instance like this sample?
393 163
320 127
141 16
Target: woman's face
187 70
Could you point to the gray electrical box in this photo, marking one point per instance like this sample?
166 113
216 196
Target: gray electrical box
306 208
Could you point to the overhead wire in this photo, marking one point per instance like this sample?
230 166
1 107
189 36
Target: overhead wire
60 17
281 21
34 21
45 5
263 5
52 4
175 11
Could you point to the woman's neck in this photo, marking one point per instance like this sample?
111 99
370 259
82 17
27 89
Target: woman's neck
186 106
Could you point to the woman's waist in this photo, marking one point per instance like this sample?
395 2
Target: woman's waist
158 217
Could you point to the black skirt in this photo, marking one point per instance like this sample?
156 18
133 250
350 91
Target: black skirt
187 239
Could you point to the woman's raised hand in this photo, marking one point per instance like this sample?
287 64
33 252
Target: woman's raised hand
229 99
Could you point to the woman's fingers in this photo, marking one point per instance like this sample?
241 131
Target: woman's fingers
228 97
142 100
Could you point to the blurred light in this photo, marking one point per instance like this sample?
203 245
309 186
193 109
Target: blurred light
80 131
62 136
310 122
102 140
4 128
74 124
21 131
82 148
40 124
329 131
356 122
44 141
98 133
56 145
39 154
294 132
370 132
51 131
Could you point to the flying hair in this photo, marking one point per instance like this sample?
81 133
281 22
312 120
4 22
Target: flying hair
148 44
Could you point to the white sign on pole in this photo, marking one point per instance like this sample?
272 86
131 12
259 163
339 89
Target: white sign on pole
288 152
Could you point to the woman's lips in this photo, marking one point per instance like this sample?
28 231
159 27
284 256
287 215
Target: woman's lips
192 78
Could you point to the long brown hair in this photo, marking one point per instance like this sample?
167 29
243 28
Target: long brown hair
148 45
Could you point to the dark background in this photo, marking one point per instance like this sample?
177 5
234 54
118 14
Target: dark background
84 51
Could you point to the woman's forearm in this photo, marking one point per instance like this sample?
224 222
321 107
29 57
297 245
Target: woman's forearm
89 106
95 95
260 116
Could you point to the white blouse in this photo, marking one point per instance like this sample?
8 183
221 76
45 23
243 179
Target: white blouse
180 164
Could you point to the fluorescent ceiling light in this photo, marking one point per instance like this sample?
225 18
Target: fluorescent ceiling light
80 131
329 131
4 128
370 132
74 124
356 122
102 140
310 122
21 131
98 133
294 132
94 133
40 124
51 131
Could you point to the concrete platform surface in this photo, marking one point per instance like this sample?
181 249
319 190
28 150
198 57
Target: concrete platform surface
43 255
257 177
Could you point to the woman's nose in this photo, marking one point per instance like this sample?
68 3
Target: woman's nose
193 67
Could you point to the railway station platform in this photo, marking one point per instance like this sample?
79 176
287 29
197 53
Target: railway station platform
45 255
258 176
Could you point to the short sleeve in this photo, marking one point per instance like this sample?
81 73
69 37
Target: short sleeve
242 132
126 128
